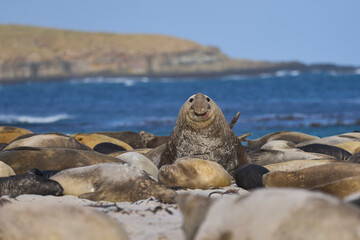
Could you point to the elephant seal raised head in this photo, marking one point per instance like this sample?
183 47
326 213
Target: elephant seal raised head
201 131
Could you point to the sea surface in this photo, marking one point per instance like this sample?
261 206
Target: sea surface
317 103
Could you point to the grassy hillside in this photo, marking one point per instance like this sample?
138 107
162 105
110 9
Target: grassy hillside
19 43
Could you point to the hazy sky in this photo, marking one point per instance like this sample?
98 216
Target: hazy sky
311 31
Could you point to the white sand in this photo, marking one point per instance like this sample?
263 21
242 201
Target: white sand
144 219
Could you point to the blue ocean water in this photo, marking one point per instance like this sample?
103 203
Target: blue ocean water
317 103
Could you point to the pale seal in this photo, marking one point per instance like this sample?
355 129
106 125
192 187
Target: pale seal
201 131
140 161
194 173
132 138
269 214
5 170
56 221
295 165
295 137
112 182
49 140
341 188
264 157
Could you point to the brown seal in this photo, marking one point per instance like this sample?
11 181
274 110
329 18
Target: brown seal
194 173
56 221
201 131
91 140
8 134
341 188
112 182
25 158
312 176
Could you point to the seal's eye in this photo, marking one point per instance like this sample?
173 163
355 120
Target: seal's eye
191 100
208 99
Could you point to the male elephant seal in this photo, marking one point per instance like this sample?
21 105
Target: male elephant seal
29 184
49 140
269 214
194 173
312 176
201 131
56 221
25 158
112 182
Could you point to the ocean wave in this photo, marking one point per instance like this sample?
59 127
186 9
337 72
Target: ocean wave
149 121
300 120
128 82
18 119
283 73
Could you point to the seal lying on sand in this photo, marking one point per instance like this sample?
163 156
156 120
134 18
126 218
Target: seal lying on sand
25 158
56 221
194 173
132 138
29 184
312 176
112 182
140 161
336 152
264 157
296 165
201 131
5 170
341 188
91 140
8 134
295 137
49 140
271 214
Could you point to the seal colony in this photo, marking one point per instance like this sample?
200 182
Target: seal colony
275 175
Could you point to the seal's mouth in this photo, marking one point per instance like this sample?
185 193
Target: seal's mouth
199 117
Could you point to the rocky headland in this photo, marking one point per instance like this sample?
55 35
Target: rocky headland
35 53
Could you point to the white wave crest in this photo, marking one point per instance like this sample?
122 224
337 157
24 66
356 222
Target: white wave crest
13 119
126 81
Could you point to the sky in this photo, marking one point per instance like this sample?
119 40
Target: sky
310 31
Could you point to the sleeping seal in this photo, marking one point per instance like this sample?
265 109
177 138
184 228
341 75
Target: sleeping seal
29 184
91 140
194 173
112 182
269 214
49 140
56 221
341 188
312 176
201 131
25 158
8 134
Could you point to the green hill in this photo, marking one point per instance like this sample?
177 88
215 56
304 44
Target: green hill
44 53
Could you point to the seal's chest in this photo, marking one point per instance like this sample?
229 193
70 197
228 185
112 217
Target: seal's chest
197 145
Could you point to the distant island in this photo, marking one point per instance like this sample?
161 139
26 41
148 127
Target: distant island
36 53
